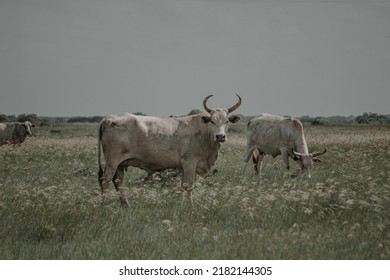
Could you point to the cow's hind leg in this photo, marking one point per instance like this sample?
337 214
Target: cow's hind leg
248 154
118 180
104 179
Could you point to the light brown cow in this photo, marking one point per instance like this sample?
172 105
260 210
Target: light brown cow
188 143
15 132
276 135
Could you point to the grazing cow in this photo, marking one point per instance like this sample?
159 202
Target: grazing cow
187 143
15 132
275 135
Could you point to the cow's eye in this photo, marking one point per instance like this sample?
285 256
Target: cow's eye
213 122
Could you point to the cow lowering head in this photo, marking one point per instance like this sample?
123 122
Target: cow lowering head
219 118
306 161
28 125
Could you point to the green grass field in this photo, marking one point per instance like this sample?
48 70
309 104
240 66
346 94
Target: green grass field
50 204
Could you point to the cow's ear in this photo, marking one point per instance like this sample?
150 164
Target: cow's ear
206 119
33 125
234 118
316 160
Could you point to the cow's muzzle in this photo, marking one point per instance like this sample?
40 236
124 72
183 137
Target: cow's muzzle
220 137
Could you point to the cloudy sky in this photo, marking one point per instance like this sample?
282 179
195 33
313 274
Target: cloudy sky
162 57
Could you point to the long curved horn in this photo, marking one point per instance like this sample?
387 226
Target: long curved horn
319 154
231 109
296 153
205 105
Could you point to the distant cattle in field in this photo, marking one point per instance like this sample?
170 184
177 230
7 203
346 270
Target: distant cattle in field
187 143
276 135
15 132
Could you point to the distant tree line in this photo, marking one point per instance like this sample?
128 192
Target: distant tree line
365 118
20 118
368 118
94 119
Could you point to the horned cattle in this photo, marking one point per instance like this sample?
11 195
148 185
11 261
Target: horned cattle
187 143
276 135
15 132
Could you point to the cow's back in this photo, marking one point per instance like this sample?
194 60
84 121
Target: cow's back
272 133
127 128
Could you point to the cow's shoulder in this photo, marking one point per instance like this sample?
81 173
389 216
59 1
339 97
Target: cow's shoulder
293 124
118 119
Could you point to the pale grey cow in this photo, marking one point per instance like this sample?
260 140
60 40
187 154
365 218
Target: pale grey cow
276 135
187 143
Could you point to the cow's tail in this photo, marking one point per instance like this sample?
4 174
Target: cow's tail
255 160
100 173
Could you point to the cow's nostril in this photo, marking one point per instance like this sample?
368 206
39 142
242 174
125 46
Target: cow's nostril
221 137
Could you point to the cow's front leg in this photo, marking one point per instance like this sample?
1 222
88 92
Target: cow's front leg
286 162
188 178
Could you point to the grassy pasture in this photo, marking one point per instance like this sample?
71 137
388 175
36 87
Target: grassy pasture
50 204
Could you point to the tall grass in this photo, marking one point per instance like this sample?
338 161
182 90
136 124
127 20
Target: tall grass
50 204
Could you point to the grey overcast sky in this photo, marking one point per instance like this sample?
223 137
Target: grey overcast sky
162 57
